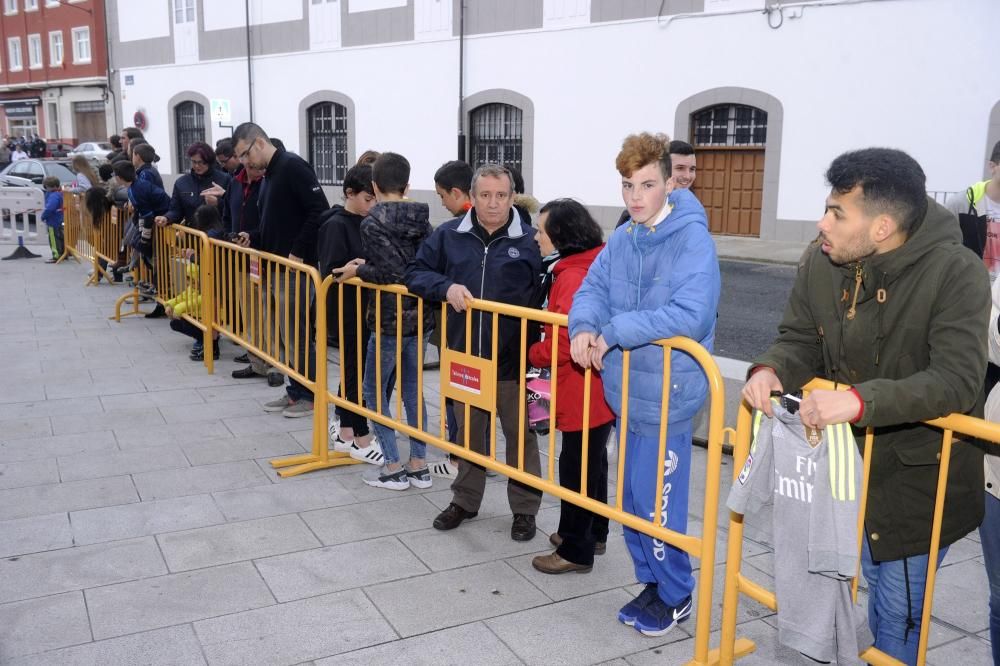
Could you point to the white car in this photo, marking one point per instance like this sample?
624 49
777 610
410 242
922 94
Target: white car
95 151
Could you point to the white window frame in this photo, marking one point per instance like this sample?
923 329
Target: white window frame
9 7
14 54
30 5
53 62
78 57
35 49
183 11
52 3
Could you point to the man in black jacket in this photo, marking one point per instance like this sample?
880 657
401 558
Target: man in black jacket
289 204
490 253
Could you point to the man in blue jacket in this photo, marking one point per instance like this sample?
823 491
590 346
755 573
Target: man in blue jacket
658 277
489 253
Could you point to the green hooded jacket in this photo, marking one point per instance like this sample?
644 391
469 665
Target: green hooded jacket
907 329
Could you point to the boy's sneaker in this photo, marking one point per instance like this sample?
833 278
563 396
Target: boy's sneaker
298 409
333 428
199 353
631 610
419 478
658 618
383 478
279 405
339 445
371 454
444 469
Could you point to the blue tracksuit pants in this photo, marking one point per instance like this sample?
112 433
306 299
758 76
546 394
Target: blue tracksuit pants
655 561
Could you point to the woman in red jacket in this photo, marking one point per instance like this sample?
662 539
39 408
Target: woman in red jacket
566 227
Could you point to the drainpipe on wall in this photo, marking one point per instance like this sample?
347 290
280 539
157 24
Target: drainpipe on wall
110 90
249 61
461 80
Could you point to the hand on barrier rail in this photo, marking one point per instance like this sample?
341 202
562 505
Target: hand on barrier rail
347 271
588 350
757 390
458 297
822 408
161 221
242 239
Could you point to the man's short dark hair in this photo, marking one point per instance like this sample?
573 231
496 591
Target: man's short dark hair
248 132
132 133
454 174
678 147
105 171
995 155
891 183
115 141
570 226
359 179
224 148
125 171
146 153
391 172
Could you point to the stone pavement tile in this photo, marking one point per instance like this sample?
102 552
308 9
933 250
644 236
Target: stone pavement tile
494 499
767 653
163 435
454 597
961 596
293 632
471 543
85 364
125 418
458 646
18 410
966 650
165 382
235 542
126 608
280 498
55 497
27 392
78 568
249 425
329 473
247 447
28 473
963 549
583 630
37 625
198 480
148 399
336 568
210 411
371 519
353 482
144 519
248 389
14 429
57 390
59 445
132 461
611 570
174 646
35 534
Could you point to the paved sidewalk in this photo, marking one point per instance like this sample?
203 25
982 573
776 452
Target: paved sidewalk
140 523
755 249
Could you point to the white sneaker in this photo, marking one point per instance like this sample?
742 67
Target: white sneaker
371 454
339 445
334 428
383 478
443 469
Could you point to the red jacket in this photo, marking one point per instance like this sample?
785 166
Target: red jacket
568 275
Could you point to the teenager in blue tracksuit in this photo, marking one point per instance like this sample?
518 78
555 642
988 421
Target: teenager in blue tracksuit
658 277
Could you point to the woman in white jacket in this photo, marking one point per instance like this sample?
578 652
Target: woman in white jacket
989 531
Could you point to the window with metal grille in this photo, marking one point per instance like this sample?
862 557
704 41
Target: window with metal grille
189 121
730 125
94 106
496 135
328 142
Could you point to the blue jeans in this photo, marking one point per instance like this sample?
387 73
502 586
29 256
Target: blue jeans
888 605
408 379
989 535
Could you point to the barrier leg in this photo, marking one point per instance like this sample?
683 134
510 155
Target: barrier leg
132 297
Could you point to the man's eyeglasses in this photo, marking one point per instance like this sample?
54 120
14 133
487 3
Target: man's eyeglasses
243 155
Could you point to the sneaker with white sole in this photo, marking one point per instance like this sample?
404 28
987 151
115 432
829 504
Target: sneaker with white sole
297 409
371 454
419 478
443 469
279 405
333 428
658 618
339 445
383 478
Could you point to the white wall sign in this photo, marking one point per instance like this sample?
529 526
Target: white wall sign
221 110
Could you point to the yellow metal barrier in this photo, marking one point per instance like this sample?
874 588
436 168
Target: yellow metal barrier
93 240
702 547
732 647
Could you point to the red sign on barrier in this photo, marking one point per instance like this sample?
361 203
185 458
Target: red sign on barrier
255 269
466 378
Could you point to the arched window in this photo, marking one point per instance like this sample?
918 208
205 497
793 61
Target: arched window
496 136
730 125
189 119
327 139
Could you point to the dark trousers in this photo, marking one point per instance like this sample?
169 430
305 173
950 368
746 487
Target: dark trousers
470 484
580 529
182 325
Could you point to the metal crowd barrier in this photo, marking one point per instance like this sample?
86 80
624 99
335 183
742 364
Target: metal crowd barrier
736 583
17 206
96 241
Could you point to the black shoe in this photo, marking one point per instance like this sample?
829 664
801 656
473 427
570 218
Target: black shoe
242 358
275 379
523 528
199 354
244 373
158 312
452 517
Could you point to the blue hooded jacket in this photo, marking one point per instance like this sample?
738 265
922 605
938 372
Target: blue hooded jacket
646 285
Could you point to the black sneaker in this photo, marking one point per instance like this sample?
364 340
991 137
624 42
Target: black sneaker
657 618
242 358
199 354
629 611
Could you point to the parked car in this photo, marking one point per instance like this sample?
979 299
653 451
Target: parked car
31 172
57 149
95 151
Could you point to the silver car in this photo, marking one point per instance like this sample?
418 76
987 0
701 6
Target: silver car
95 151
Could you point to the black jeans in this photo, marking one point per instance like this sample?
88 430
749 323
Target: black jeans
580 529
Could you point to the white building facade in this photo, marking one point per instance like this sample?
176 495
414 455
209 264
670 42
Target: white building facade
768 98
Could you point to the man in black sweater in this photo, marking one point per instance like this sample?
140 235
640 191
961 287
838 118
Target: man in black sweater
290 203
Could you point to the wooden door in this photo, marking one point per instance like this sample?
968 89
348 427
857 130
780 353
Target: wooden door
90 126
730 185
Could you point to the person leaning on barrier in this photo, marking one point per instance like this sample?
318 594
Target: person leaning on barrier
891 303
567 231
490 253
204 184
683 170
657 278
144 158
290 204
